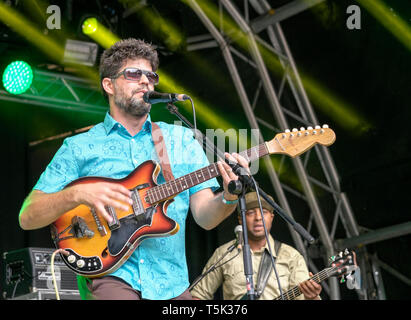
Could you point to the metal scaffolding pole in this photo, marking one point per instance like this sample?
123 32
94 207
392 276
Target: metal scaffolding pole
277 110
343 212
61 91
225 48
277 45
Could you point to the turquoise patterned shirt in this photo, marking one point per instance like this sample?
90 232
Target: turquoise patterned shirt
158 267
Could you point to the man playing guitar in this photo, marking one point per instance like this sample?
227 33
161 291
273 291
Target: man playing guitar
157 268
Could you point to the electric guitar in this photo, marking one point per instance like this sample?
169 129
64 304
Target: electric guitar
342 266
96 247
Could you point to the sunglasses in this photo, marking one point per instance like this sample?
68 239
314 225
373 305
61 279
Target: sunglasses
135 74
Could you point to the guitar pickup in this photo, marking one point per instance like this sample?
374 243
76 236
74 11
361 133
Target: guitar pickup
115 223
138 207
142 186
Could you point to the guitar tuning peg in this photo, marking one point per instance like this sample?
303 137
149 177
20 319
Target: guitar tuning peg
295 130
317 127
340 254
302 129
346 251
287 130
309 128
332 258
342 279
325 126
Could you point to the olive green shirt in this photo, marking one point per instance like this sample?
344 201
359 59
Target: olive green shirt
290 265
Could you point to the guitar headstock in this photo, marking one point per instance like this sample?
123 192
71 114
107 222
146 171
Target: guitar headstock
343 264
295 142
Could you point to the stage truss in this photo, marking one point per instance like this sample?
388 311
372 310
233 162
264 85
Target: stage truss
315 169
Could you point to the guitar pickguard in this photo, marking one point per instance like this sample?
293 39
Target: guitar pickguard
128 227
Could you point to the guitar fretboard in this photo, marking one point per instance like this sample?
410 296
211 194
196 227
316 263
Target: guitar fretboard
295 292
170 189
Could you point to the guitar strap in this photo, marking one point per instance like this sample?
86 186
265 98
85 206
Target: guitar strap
265 269
161 150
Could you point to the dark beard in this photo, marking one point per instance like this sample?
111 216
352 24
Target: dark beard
132 106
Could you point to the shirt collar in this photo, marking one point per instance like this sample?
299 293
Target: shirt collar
110 124
272 243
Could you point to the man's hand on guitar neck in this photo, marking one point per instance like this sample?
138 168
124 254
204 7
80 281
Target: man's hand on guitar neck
310 289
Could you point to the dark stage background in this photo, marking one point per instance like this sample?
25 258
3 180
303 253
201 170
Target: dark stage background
368 68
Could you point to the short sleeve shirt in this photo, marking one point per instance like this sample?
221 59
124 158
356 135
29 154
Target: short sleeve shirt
290 265
158 267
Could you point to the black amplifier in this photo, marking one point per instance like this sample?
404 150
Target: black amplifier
28 270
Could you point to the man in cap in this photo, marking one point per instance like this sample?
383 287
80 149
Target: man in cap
229 268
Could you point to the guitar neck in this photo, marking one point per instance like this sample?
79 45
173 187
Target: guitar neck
170 189
290 143
294 292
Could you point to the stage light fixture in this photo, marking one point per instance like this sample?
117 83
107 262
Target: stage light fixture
80 52
17 77
89 25
96 31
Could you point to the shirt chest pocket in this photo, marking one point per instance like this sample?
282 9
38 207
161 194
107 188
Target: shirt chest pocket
283 274
234 274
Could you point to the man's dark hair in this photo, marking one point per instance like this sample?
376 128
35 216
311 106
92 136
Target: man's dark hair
113 58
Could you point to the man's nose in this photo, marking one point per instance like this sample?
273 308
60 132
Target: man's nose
257 215
144 79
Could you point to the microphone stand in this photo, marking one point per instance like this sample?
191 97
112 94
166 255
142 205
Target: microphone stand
239 171
248 264
239 188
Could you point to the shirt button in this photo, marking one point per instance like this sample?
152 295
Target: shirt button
142 261
132 140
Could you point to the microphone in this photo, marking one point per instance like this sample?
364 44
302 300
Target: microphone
238 230
153 97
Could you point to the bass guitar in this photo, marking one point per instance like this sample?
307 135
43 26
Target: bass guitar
94 247
342 265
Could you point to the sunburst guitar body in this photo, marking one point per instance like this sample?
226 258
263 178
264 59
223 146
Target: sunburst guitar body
96 247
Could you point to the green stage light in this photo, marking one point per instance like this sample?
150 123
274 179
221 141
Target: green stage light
89 25
17 77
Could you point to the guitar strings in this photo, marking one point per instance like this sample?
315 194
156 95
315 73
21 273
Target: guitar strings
155 193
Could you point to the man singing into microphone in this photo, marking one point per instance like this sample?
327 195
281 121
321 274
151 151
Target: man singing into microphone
157 269
290 264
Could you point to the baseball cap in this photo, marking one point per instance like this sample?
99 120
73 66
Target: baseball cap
251 202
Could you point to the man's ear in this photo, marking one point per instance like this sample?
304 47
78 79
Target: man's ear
108 86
